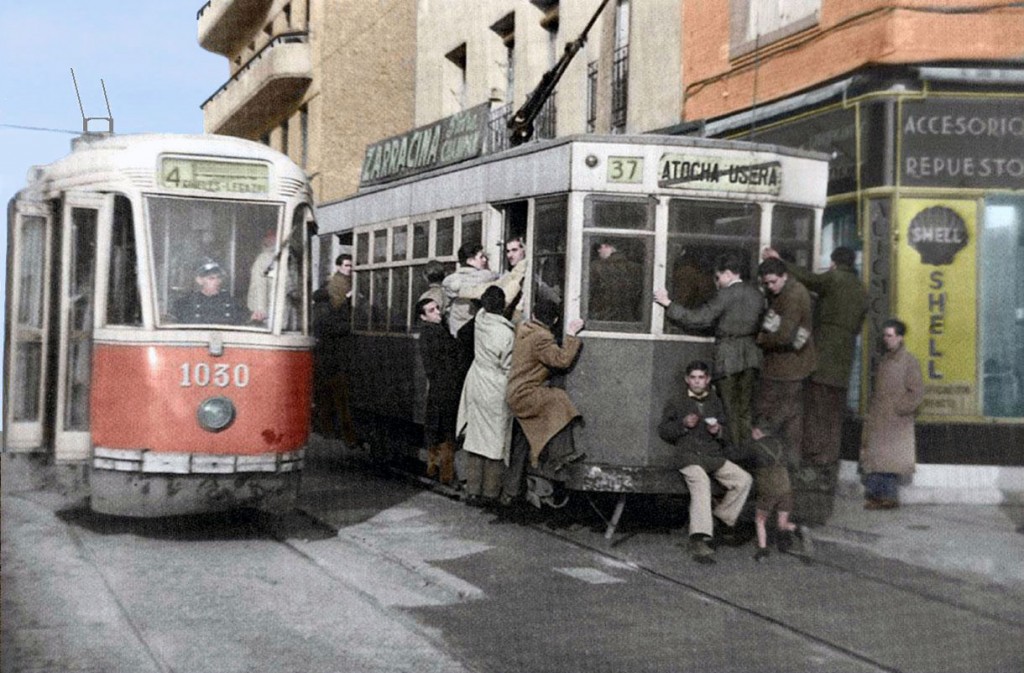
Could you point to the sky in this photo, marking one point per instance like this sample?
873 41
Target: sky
146 52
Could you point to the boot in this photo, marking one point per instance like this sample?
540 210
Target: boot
446 458
433 460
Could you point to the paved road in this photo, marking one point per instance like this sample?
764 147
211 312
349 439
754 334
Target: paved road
380 575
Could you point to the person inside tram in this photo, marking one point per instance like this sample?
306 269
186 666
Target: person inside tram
209 303
261 278
616 285
694 422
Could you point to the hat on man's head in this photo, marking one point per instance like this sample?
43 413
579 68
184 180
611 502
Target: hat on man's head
208 267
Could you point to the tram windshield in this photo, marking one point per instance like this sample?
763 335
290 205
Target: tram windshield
215 262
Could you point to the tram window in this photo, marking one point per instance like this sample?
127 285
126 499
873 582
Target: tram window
187 234
793 234
29 352
295 292
698 233
399 299
399 240
549 227
616 293
124 306
421 240
325 261
380 245
363 248
379 300
80 292
444 243
618 214
472 229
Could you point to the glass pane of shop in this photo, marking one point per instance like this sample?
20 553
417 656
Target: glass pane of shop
1001 298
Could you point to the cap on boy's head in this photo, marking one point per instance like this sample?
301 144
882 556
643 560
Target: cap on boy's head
209 268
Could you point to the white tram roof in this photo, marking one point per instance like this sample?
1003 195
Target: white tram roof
107 160
558 166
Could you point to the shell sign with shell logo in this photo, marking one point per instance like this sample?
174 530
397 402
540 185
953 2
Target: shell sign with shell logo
936 295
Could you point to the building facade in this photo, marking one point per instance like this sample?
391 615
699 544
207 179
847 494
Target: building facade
921 106
316 79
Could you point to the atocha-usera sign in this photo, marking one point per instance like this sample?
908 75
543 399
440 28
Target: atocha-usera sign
446 141
686 171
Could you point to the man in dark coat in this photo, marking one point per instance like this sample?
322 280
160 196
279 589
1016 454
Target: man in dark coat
331 364
616 286
694 422
209 304
735 312
838 316
439 352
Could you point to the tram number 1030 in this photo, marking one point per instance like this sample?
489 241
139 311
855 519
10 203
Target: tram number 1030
220 375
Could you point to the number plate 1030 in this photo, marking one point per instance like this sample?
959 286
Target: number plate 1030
203 375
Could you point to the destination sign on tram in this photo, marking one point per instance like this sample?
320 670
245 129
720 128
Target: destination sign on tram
238 177
717 173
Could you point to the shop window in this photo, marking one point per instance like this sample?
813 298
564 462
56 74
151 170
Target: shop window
698 233
363 248
617 264
379 300
1001 310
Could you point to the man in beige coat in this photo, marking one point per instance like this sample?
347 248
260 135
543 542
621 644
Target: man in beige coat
888 450
543 411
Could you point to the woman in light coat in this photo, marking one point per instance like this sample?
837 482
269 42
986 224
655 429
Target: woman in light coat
888 450
485 420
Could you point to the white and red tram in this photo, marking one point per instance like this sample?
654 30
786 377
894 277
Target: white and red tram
168 414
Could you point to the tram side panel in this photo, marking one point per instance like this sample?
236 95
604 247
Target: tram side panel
620 387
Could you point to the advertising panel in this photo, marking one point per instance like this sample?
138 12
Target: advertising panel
936 295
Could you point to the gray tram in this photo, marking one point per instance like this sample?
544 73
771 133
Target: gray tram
669 205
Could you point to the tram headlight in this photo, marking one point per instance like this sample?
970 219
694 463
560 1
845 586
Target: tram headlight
215 414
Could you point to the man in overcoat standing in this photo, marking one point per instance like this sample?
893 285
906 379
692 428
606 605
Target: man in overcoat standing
888 450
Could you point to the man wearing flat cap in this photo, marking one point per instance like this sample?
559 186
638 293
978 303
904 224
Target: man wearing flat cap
209 304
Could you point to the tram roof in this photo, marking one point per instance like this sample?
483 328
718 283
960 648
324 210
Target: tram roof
330 213
98 158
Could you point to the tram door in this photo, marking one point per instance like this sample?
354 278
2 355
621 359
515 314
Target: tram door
52 321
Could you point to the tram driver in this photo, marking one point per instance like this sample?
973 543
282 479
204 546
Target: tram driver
209 303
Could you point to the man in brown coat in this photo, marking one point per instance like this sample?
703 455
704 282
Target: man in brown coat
543 411
888 450
789 354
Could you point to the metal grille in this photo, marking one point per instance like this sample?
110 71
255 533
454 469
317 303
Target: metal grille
544 126
620 88
498 127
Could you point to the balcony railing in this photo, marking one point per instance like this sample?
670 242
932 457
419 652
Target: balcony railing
275 76
620 88
226 25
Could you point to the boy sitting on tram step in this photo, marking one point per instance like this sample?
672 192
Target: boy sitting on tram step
694 422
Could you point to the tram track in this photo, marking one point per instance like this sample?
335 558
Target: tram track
966 603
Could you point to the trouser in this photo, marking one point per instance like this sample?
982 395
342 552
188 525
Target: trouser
824 407
882 485
335 418
781 404
483 475
736 482
513 482
737 392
